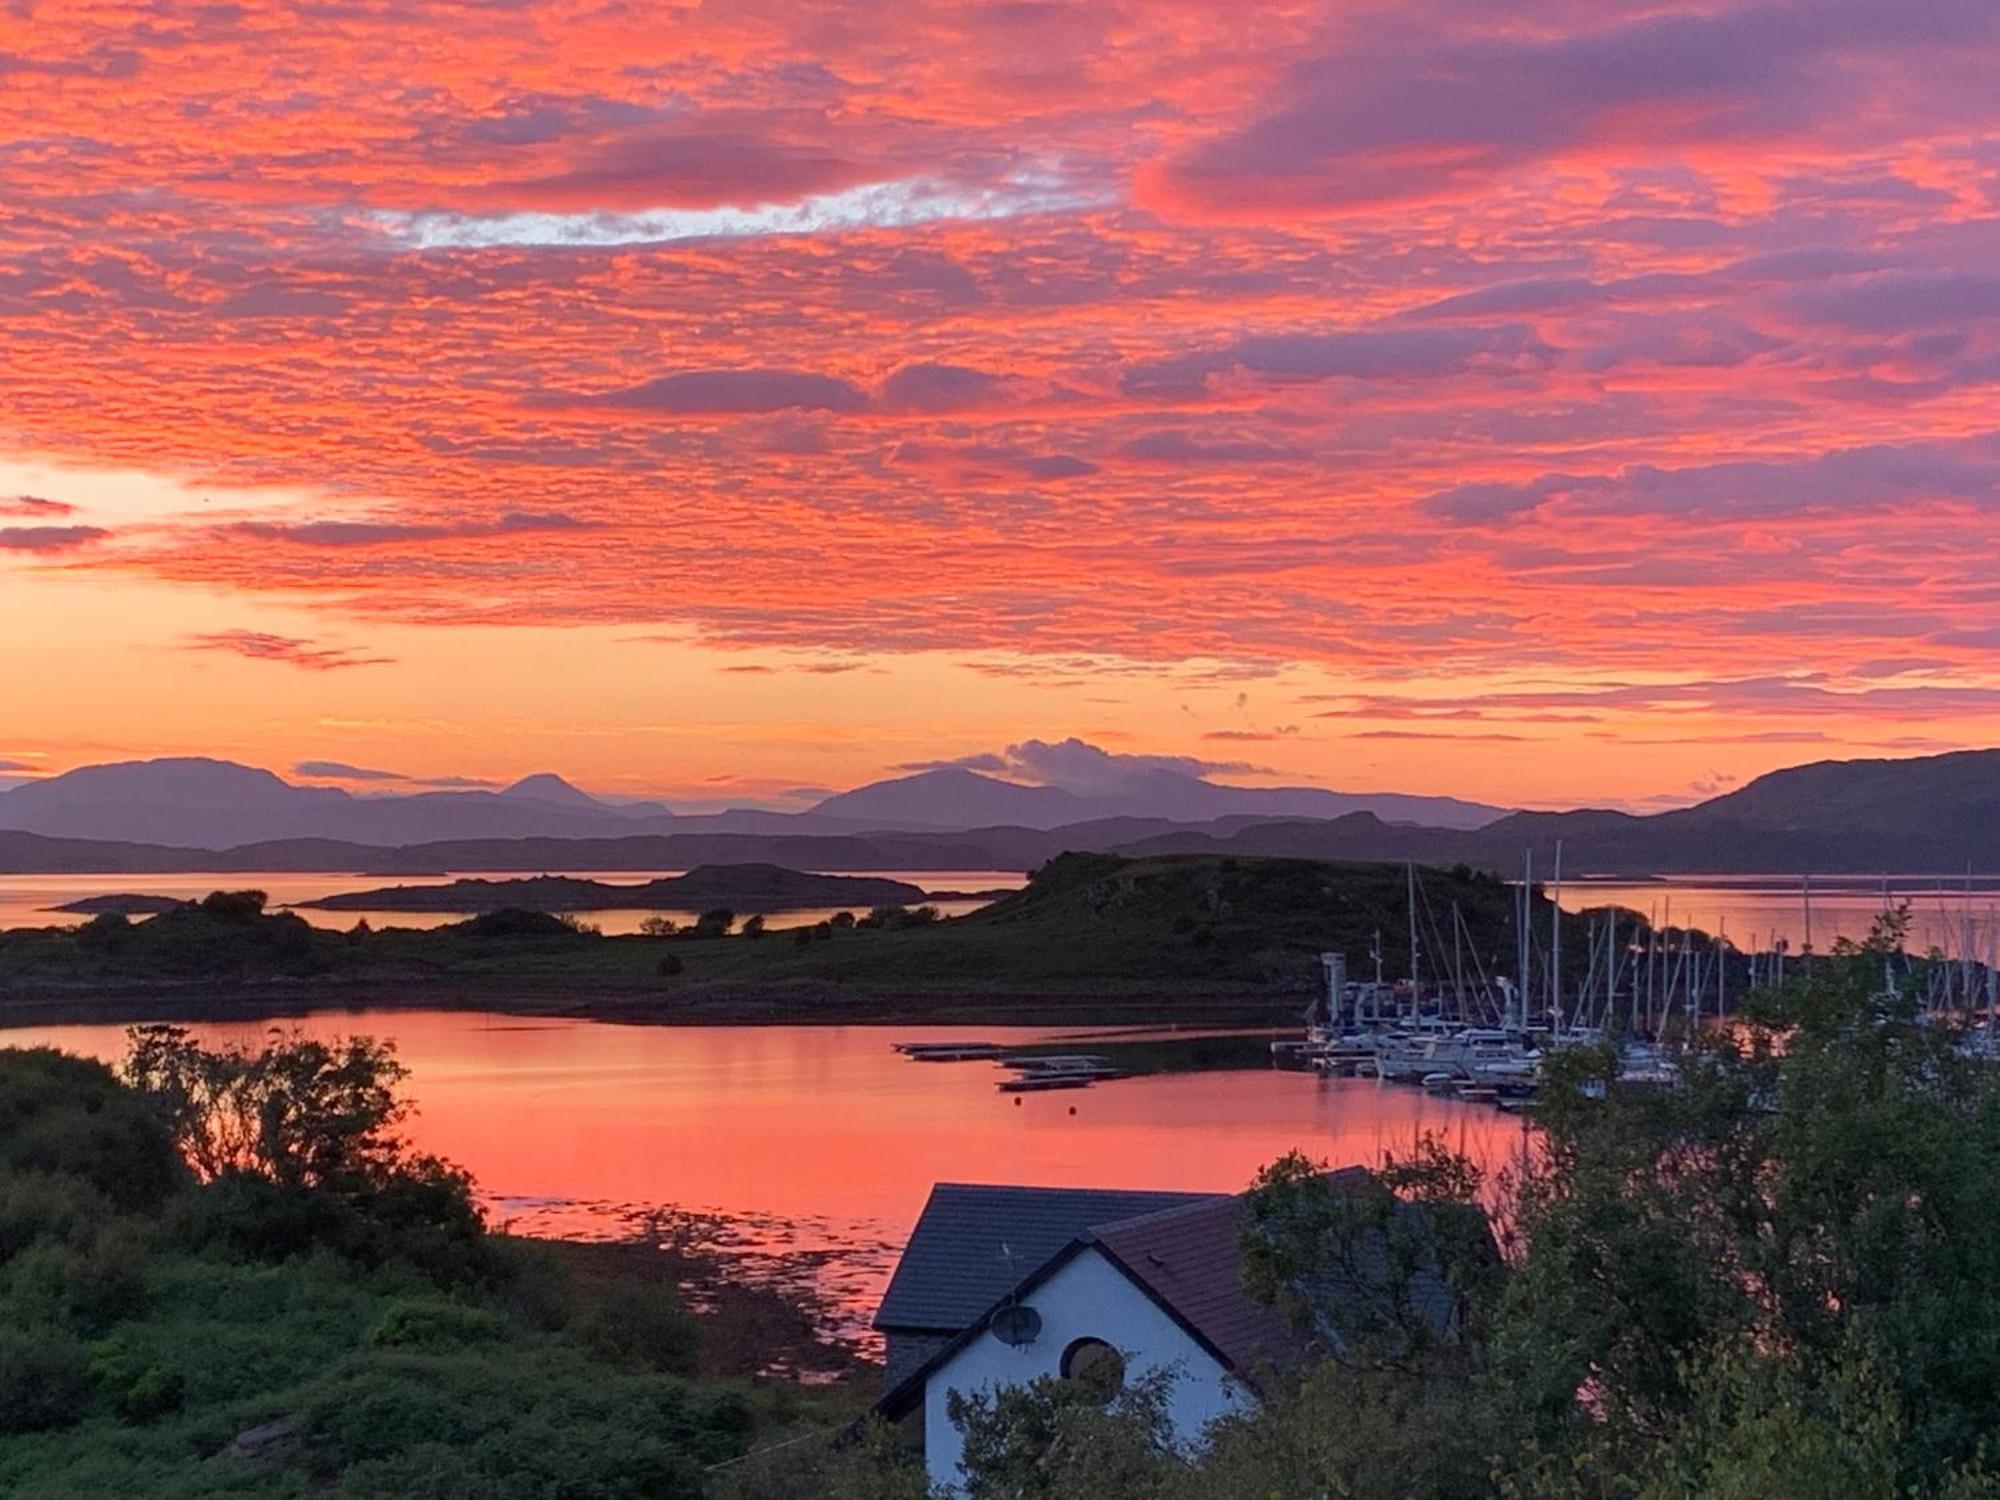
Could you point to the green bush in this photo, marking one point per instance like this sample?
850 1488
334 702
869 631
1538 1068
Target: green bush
430 1325
644 1325
62 1114
155 1393
92 1285
37 1205
139 1392
44 1379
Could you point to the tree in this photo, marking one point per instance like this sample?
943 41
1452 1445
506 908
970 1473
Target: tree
659 927
240 907
753 926
1802 1237
1056 1439
300 1112
1381 1269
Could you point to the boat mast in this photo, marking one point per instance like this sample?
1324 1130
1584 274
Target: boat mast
1555 944
1410 877
1522 910
1721 967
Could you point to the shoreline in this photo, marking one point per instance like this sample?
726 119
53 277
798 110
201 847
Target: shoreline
205 1000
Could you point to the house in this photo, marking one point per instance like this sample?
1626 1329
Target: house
1002 1285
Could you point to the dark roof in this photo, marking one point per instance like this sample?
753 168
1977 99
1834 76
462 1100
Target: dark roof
976 1242
1190 1259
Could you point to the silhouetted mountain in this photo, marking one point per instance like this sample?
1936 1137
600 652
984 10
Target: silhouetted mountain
546 786
179 801
953 798
957 798
213 804
1933 814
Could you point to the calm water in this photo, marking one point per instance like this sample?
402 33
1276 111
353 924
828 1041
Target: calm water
822 1140
1758 910
25 900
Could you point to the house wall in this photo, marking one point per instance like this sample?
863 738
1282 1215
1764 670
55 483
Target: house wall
1087 1298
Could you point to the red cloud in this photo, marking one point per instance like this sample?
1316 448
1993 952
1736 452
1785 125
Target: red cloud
1434 338
260 646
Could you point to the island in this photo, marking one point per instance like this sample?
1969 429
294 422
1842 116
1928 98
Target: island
742 888
123 905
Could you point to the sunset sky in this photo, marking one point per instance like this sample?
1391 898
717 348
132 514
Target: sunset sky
1551 402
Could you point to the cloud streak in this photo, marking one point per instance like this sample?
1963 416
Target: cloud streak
292 651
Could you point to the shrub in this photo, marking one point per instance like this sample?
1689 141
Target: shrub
44 1379
433 1325
669 965
753 926
138 1391
659 927
841 919
153 1394
92 1285
37 1205
643 1324
61 1114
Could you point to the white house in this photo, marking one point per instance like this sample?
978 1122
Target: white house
1136 1282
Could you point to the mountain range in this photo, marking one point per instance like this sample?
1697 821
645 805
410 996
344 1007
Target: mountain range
1934 814
215 804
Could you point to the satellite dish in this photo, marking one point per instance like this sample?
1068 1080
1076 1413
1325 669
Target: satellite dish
1017 1326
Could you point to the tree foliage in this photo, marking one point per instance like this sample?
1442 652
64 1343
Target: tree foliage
301 1112
1779 1277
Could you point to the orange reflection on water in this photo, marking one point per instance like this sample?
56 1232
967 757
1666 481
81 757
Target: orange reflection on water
828 1128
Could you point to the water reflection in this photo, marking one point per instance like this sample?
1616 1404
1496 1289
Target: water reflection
822 1142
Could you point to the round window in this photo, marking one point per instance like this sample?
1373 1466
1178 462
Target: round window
1096 1366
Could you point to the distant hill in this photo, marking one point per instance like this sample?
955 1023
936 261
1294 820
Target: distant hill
214 804
1931 815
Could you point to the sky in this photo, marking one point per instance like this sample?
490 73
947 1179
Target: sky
1563 402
